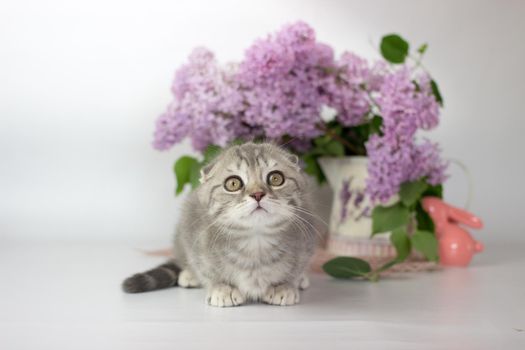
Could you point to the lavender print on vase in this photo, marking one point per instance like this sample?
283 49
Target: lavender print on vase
350 219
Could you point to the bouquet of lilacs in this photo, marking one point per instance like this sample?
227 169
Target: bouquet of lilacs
292 89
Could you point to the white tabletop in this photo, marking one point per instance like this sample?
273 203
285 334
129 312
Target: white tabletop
67 296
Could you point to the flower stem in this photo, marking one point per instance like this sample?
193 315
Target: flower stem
419 64
335 136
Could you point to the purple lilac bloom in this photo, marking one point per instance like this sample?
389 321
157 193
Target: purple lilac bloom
427 162
390 165
346 90
387 163
170 128
395 157
206 102
396 102
404 107
426 104
282 78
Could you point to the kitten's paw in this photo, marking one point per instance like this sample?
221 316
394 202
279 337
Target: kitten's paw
304 282
283 295
187 280
223 295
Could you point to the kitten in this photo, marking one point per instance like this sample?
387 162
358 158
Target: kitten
246 233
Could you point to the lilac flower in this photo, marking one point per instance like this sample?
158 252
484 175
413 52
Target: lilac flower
426 104
396 102
170 128
405 109
391 164
346 91
298 34
205 105
396 157
386 167
428 163
282 78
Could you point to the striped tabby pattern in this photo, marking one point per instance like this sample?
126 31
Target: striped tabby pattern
163 276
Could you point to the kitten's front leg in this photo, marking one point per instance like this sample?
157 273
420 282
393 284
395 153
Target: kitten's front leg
304 282
224 295
283 295
188 280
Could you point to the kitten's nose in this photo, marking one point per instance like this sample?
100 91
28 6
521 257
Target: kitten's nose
257 196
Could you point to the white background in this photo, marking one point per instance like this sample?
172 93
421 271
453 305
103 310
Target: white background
81 83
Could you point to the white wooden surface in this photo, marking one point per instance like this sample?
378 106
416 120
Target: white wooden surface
67 296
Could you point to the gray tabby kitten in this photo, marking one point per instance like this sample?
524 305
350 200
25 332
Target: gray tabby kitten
246 233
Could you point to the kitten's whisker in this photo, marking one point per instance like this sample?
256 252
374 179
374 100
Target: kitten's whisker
302 228
290 209
319 234
307 212
301 210
299 228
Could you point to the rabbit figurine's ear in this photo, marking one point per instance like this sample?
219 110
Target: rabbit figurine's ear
464 217
436 208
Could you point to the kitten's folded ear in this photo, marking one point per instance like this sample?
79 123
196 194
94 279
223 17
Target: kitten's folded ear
206 170
293 158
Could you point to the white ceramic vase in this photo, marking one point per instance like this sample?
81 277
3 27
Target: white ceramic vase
350 228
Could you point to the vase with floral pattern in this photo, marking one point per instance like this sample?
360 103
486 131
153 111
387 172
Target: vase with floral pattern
350 228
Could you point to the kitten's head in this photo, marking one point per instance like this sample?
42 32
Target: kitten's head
253 185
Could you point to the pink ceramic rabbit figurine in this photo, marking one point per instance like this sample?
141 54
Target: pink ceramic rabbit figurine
456 245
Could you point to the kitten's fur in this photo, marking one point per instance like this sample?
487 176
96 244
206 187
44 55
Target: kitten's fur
236 252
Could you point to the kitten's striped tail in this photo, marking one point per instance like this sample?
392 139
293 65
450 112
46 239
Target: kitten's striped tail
163 276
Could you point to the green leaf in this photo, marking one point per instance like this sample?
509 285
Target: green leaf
436 92
424 221
337 129
334 148
326 145
195 175
322 140
401 242
211 152
426 243
386 219
394 48
375 125
434 191
182 171
312 167
422 49
347 267
411 192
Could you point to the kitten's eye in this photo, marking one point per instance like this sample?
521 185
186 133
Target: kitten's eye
233 183
275 178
